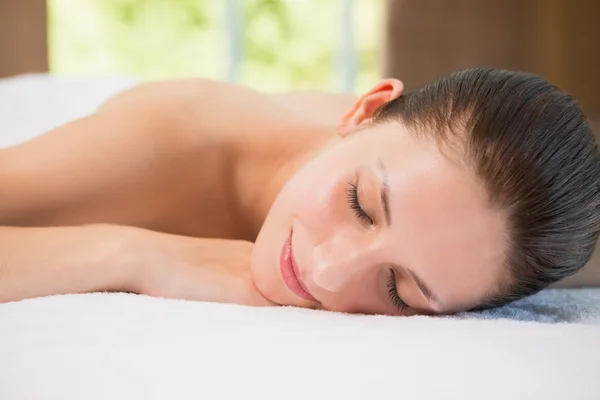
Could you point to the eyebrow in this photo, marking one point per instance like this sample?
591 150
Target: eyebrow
385 199
385 190
429 295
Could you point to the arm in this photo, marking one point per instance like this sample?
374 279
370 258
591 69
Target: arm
37 262
44 261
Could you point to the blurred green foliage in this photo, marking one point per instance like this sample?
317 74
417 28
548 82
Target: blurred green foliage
287 44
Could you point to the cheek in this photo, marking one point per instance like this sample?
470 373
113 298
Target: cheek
317 198
366 295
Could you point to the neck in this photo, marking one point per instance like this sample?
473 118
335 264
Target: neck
265 163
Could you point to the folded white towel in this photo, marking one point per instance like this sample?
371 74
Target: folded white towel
120 346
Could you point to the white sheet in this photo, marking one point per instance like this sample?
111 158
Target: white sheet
124 346
33 104
119 346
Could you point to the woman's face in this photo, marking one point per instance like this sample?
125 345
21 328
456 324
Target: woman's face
380 223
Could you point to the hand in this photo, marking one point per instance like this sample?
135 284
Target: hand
180 267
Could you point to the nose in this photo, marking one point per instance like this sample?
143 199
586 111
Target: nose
340 259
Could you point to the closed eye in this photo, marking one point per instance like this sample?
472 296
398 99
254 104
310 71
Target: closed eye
354 203
399 304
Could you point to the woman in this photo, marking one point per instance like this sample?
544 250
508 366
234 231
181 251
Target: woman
478 189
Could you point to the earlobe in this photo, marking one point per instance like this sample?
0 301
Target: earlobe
364 108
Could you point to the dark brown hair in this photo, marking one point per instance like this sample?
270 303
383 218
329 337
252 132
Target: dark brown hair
530 145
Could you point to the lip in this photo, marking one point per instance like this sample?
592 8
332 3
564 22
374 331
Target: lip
290 273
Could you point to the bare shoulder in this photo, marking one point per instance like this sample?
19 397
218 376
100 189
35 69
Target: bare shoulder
319 106
177 90
208 100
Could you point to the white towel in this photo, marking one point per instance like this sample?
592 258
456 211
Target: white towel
120 346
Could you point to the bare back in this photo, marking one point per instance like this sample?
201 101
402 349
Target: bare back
156 156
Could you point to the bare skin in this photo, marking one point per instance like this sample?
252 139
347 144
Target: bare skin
202 190
163 157
150 150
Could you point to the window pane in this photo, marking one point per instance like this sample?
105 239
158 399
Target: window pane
284 44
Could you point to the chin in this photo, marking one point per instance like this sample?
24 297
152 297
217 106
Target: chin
266 260
265 268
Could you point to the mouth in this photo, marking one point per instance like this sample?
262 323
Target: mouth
290 273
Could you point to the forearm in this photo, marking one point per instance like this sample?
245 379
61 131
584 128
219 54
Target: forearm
38 262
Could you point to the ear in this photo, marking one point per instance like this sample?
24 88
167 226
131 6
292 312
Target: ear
384 91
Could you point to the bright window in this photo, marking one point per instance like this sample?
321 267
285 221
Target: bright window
272 45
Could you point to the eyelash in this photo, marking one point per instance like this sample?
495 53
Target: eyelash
355 204
398 303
